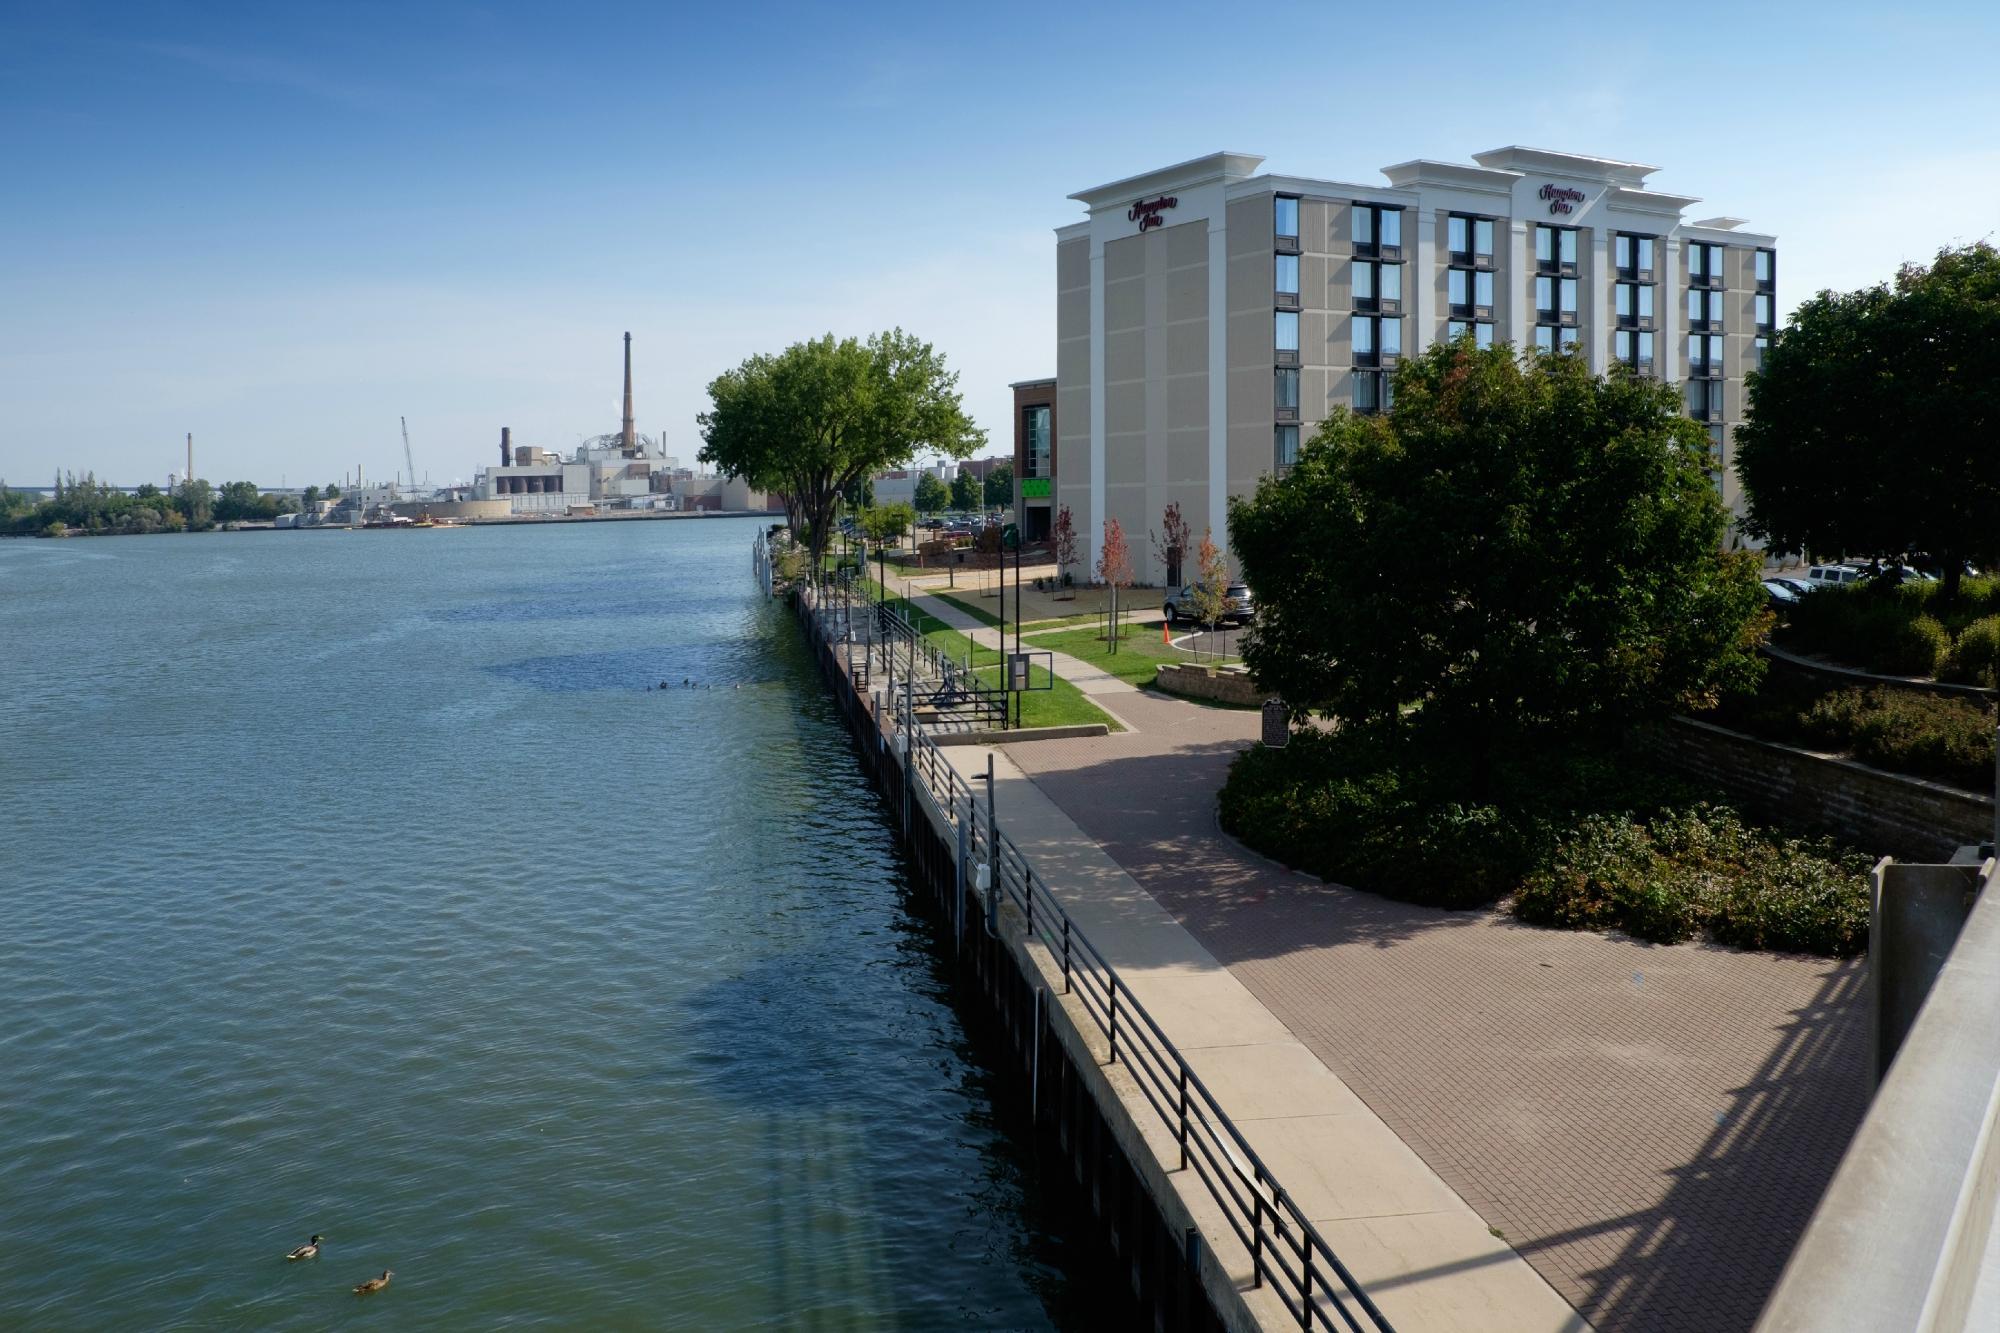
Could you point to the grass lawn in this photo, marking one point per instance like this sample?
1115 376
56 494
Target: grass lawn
1139 654
978 613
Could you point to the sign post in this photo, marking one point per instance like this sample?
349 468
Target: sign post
1277 724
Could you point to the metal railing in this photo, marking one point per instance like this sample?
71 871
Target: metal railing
1283 1245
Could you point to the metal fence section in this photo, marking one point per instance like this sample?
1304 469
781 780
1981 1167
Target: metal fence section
1285 1249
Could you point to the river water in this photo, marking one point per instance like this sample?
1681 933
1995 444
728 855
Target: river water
358 883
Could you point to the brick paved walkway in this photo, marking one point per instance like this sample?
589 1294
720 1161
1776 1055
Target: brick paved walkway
1649 1126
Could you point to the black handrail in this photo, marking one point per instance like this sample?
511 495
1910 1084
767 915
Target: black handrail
1282 1242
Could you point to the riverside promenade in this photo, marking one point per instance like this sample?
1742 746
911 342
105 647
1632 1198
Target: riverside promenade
1649 1127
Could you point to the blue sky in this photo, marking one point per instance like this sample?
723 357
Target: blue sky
283 226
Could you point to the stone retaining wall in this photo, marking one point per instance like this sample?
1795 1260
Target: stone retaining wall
1883 814
1205 682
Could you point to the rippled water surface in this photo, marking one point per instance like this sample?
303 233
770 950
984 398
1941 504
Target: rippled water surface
356 883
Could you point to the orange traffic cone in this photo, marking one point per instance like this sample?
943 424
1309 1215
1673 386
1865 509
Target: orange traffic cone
1166 634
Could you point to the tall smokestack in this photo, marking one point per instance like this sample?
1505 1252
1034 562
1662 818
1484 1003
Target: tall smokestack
506 445
190 475
631 436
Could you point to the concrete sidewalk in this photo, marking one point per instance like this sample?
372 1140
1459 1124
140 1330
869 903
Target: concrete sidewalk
1423 1255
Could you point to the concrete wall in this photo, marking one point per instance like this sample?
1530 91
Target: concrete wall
1202 682
1880 813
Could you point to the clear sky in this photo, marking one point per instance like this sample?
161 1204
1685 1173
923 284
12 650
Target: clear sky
282 226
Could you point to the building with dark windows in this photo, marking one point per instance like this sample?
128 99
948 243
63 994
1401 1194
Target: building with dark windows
1209 315
1034 457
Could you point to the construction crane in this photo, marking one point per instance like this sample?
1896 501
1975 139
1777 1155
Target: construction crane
407 457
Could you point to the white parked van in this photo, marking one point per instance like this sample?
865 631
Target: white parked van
1833 576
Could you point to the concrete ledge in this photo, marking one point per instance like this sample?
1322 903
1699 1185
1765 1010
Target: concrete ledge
1020 734
1854 676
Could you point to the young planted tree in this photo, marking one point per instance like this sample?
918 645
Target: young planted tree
1209 593
1908 372
1516 552
1114 570
813 420
931 494
1062 542
1171 544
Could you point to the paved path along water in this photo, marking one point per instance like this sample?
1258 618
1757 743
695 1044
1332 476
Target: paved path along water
1649 1126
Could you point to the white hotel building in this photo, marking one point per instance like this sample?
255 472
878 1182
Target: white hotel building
1209 315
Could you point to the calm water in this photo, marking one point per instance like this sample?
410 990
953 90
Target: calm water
355 883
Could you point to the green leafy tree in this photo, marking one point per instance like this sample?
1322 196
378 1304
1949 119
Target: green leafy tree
196 501
858 494
332 492
931 494
1871 426
1519 550
966 494
310 496
238 501
999 485
814 419
887 523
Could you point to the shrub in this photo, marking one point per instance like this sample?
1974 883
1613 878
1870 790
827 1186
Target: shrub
1975 658
1903 732
1913 647
1582 841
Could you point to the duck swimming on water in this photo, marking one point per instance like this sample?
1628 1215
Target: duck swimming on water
374 1284
309 1250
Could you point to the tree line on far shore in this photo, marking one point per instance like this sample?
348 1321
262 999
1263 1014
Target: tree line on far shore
88 505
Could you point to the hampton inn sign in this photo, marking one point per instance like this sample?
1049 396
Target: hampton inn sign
1561 198
1146 212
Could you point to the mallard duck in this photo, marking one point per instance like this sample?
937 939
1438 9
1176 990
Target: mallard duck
374 1284
309 1250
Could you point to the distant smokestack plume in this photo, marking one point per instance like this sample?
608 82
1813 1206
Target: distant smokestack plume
190 476
506 445
631 436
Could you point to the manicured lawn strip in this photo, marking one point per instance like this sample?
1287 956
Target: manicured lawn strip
1137 660
978 613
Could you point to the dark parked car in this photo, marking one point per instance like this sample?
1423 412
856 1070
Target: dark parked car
1238 607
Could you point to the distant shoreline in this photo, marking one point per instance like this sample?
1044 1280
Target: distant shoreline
516 521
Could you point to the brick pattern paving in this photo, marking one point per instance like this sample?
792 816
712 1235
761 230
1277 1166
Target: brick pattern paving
1649 1126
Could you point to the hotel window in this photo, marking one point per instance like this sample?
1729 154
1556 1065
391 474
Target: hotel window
1704 355
1286 450
1378 341
1704 399
1635 349
1287 337
1470 292
1374 391
1704 310
1634 256
1764 312
1285 217
1555 249
1035 439
1555 300
1634 301
1378 230
1715 456
1549 338
1378 286
1760 347
1482 331
1767 261
1470 240
1285 279
1705 265
1287 393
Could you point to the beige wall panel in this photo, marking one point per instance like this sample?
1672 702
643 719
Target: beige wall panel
1073 313
1124 304
1186 293
1252 395
1251 339
1187 402
1073 366
1316 226
1124 459
1073 443
1124 356
1186 244
1315 335
1187 464
1124 407
1250 279
1187 348
1124 258
1073 264
1251 226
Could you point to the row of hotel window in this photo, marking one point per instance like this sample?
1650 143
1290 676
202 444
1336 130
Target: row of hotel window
1379 338
1375 392
1469 293
1376 230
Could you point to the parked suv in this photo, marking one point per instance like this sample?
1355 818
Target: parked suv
1834 576
1238 607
